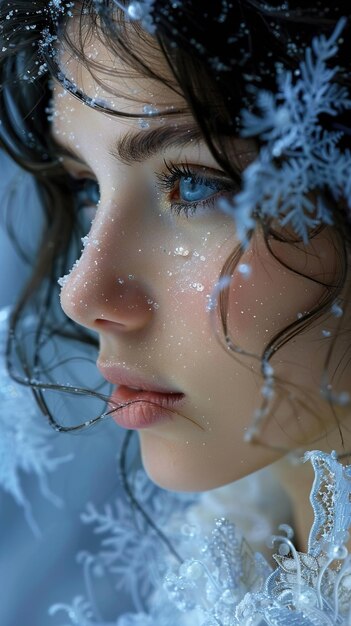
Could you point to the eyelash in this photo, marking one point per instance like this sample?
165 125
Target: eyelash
168 182
175 173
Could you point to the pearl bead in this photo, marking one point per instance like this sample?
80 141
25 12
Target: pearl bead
337 552
346 582
308 598
229 597
194 571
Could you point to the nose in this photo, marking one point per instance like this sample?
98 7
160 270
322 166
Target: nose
101 292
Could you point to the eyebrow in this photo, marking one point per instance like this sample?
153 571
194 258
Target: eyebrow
135 147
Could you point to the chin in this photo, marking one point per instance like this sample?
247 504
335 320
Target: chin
175 466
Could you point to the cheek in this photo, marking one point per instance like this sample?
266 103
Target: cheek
267 300
189 282
183 325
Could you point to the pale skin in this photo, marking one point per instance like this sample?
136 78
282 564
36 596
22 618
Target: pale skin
148 301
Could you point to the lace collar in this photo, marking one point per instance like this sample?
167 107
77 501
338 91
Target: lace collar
221 581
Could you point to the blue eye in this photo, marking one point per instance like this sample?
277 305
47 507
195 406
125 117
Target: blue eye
192 187
87 192
192 190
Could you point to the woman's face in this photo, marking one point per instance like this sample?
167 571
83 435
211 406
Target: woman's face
156 249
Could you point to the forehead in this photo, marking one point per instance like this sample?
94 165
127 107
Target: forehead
107 77
89 61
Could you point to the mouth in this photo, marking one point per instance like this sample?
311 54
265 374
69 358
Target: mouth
137 408
138 403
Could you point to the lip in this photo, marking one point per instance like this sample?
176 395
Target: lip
147 404
142 409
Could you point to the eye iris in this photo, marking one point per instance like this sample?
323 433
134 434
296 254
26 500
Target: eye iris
89 194
192 190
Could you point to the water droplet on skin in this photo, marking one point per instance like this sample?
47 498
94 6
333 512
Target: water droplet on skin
197 286
326 333
120 281
142 123
180 251
131 277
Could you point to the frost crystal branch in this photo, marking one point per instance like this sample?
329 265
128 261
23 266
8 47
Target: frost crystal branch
24 439
298 155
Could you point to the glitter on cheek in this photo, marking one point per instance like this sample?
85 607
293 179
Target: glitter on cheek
180 251
194 270
189 281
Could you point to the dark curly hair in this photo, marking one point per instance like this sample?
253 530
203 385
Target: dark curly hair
233 47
